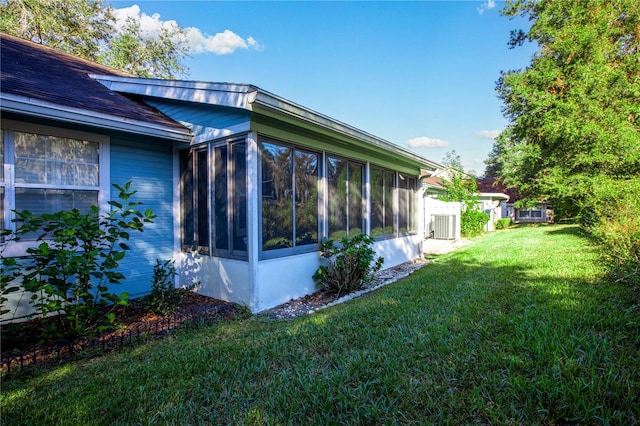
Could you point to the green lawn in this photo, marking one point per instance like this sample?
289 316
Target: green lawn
516 328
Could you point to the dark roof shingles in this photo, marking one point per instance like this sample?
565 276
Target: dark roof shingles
41 73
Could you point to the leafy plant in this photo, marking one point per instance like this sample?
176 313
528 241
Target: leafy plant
9 272
75 261
350 264
472 222
502 223
165 297
464 189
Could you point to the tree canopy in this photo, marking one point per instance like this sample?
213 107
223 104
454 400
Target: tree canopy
88 29
574 112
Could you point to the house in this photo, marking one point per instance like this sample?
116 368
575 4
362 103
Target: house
245 184
543 212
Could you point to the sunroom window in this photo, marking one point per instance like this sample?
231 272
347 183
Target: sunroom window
289 196
214 200
345 203
383 203
406 204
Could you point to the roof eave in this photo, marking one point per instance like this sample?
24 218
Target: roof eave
36 108
496 195
248 97
284 106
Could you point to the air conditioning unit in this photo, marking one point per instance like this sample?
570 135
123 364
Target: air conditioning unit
443 227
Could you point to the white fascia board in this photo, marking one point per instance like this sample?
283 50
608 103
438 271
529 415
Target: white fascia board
282 105
37 108
494 195
244 96
231 95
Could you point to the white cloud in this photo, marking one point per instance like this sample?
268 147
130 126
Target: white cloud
488 134
223 43
425 142
487 5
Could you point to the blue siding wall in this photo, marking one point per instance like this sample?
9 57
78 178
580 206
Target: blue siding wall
149 167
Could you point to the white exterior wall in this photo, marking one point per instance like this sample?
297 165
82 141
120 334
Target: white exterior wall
399 250
284 278
224 279
492 207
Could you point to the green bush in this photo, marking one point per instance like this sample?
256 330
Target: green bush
472 222
502 223
615 221
70 270
350 264
165 297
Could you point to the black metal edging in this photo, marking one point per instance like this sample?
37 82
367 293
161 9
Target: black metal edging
61 351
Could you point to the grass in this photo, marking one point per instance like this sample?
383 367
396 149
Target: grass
516 328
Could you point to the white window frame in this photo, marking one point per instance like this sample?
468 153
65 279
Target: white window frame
9 127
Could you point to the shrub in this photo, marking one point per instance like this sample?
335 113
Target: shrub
164 297
618 229
472 222
351 264
75 261
502 223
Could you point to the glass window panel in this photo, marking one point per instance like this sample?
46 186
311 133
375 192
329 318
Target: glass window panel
202 201
376 183
337 186
411 201
188 208
220 199
389 203
2 157
40 201
239 197
355 199
403 203
2 224
306 187
56 161
277 207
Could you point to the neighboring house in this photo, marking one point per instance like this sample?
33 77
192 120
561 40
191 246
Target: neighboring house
490 201
245 184
543 212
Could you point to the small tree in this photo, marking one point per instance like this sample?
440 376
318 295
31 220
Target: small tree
76 260
464 189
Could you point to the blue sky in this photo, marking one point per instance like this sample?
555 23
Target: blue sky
419 74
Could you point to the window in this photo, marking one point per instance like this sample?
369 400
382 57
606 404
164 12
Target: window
214 200
289 196
345 203
50 171
530 214
406 204
383 204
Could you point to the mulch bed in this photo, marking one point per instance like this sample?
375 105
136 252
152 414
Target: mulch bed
22 346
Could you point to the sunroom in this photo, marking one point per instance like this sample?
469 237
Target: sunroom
265 181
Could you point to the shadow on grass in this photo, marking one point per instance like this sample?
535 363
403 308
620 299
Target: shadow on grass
475 337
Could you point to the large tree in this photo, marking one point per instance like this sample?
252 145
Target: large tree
574 131
88 28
